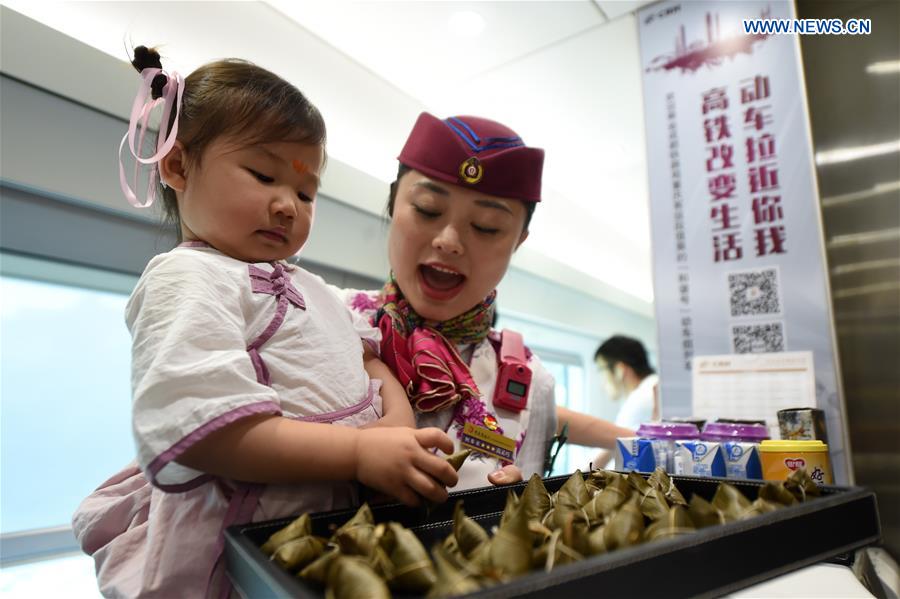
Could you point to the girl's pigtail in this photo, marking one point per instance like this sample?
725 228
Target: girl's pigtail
157 87
148 58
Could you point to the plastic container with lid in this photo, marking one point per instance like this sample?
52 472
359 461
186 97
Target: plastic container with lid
781 458
698 422
731 431
668 430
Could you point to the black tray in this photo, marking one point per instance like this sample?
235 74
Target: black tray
713 561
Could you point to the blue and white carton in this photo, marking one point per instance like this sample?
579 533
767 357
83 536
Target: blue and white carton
663 450
742 460
699 458
635 453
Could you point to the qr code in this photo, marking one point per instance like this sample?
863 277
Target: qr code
754 292
758 338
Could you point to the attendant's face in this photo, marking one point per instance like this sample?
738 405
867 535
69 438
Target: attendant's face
450 246
613 378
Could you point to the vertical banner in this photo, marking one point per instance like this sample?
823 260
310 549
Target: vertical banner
738 255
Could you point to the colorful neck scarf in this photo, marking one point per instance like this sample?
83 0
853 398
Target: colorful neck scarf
422 354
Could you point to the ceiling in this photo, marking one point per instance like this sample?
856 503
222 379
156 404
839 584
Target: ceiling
565 74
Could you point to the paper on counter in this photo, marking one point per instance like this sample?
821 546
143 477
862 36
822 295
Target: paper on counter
752 386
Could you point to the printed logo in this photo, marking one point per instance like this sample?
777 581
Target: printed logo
700 450
690 56
794 463
735 452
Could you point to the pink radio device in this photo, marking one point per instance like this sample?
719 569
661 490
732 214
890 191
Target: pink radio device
514 376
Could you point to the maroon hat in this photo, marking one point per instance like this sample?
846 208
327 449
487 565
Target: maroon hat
473 152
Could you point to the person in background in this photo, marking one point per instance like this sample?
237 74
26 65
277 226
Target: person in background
630 378
465 193
255 391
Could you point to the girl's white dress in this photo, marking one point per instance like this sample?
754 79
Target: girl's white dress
216 340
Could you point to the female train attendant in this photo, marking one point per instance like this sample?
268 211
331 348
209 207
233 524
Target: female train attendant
465 192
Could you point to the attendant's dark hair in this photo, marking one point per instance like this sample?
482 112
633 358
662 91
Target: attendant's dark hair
235 98
620 348
402 169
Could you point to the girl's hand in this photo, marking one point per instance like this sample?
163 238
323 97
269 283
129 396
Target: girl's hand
507 475
396 461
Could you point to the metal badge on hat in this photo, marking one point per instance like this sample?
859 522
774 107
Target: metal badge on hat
471 170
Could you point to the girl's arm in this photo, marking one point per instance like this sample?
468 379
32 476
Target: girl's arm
274 449
588 430
395 403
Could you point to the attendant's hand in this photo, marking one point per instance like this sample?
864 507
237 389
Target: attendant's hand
507 475
396 461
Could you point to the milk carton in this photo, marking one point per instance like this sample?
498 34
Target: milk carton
662 436
662 453
634 453
740 444
698 458
742 460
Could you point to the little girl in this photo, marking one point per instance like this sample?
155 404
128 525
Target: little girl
241 362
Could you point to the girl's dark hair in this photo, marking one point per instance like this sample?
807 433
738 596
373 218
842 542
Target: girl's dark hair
402 169
236 98
620 348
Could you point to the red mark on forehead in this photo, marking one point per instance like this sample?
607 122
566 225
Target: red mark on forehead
300 166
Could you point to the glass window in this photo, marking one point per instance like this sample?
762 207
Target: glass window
65 388
570 394
568 356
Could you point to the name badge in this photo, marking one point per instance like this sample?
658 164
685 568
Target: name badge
488 442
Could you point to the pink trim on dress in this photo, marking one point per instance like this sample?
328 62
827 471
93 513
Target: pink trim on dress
241 508
262 372
182 487
374 387
171 454
278 284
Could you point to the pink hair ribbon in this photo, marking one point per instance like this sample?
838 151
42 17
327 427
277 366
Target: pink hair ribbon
137 127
